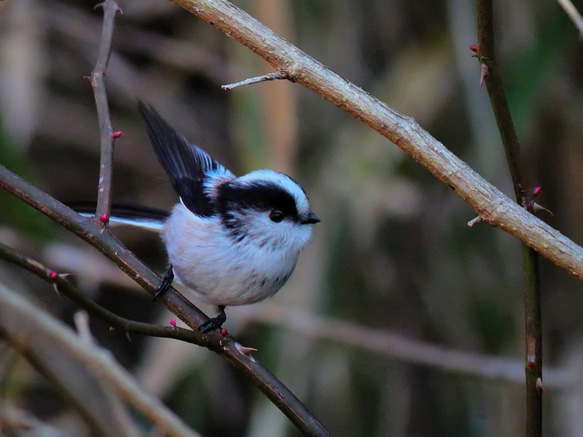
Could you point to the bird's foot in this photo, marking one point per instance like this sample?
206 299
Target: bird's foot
215 322
166 283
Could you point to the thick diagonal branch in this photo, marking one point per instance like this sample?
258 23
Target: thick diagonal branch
91 231
490 203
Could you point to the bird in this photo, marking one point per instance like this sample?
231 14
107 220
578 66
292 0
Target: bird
230 240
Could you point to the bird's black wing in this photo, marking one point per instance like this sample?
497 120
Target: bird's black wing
186 164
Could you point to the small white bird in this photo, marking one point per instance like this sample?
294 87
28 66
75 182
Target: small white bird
231 240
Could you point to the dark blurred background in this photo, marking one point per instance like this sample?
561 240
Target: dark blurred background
393 252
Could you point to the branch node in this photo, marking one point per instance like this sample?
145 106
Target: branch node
97 78
104 219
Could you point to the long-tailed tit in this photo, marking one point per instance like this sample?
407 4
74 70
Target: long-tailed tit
230 240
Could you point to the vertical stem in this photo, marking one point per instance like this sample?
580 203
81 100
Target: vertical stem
532 301
110 9
497 94
533 331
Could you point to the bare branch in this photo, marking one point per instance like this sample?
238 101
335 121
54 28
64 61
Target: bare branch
110 9
531 286
490 203
62 284
90 231
475 221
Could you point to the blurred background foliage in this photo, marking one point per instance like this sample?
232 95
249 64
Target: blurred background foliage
393 251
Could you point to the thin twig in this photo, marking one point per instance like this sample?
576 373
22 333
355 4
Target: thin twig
573 14
532 293
487 57
62 284
91 231
274 75
475 221
110 9
79 27
238 355
533 342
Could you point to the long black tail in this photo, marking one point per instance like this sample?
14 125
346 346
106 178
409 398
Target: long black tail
140 216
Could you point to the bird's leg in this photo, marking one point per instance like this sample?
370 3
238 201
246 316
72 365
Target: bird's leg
166 282
215 322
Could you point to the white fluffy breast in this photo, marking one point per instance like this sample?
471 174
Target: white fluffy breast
222 270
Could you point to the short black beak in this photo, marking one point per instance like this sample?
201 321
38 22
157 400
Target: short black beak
310 219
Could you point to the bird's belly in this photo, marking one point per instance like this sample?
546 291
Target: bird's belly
233 284
216 269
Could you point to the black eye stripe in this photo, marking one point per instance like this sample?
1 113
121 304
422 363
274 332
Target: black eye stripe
259 196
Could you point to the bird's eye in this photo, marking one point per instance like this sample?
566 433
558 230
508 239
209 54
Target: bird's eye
276 216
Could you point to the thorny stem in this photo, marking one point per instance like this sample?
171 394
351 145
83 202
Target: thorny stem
110 9
382 342
103 240
91 231
533 340
497 94
62 284
532 293
492 205
279 394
